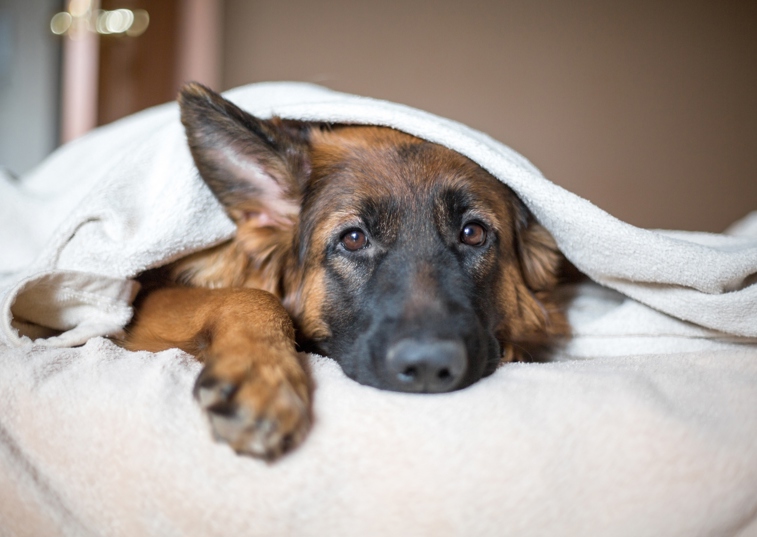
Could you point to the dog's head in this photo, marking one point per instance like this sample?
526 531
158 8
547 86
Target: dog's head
406 262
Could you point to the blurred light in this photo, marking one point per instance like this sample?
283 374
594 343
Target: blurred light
61 22
79 27
79 8
140 24
100 23
79 19
115 22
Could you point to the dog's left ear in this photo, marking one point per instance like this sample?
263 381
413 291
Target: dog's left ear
540 259
254 167
536 317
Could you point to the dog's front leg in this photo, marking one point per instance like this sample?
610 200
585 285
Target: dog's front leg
253 386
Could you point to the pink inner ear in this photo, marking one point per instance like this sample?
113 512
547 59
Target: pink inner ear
259 219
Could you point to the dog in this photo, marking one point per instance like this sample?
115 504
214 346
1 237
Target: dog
404 261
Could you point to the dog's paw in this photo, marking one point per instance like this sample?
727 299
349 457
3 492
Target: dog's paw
259 410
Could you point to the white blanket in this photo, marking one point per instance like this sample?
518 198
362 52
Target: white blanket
644 423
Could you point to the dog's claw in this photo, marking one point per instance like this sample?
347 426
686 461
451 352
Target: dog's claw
211 391
260 415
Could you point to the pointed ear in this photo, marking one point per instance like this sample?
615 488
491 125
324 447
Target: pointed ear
254 167
540 259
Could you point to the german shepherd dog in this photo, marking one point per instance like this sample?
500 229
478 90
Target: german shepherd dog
407 263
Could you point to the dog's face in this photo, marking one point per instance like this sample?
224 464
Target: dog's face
404 261
413 246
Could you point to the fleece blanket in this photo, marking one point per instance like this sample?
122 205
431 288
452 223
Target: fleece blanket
645 422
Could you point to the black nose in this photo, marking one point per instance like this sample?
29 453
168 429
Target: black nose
426 366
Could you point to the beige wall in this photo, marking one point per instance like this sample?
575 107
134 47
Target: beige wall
647 108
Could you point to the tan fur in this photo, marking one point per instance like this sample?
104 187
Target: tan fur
256 370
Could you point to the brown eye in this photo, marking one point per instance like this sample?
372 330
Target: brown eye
473 234
354 239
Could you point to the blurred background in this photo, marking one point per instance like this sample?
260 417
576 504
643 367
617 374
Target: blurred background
646 108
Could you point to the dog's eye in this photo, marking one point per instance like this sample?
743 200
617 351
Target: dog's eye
473 234
354 239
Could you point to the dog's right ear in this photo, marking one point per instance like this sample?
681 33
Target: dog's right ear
254 167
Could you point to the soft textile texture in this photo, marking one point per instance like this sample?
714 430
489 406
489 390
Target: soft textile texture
644 423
